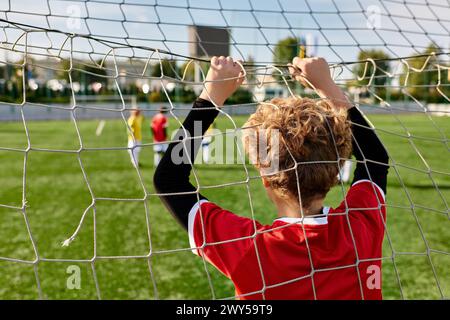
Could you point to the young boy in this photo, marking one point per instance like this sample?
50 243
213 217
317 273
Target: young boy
135 136
310 251
159 130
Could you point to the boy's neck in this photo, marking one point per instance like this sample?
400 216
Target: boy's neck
292 209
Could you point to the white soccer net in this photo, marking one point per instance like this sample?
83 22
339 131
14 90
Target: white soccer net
79 62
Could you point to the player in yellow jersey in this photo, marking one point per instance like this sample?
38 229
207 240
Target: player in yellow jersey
135 136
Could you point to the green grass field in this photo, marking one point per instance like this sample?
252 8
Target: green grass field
57 195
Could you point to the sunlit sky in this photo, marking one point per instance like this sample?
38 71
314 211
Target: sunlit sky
340 27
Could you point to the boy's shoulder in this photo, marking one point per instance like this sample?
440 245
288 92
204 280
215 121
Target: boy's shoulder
364 205
364 193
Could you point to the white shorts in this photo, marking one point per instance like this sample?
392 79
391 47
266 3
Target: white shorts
160 147
206 140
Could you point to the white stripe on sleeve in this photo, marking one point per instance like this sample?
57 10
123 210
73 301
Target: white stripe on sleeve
191 220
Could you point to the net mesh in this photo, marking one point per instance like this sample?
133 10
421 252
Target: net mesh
94 58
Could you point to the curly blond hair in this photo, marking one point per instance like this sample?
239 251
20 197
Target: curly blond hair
314 140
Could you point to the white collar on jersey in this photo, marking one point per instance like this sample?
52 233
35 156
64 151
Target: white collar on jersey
316 220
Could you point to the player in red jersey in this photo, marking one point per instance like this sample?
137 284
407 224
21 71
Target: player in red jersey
159 130
310 251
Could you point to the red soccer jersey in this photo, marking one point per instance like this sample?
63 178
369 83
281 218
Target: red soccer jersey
159 123
333 256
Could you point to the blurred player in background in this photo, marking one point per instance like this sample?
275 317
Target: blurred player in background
206 142
159 130
344 173
135 136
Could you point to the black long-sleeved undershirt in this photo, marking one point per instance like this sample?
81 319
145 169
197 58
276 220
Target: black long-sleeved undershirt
174 169
172 174
367 146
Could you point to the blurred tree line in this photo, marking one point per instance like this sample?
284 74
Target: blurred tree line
421 85
93 79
